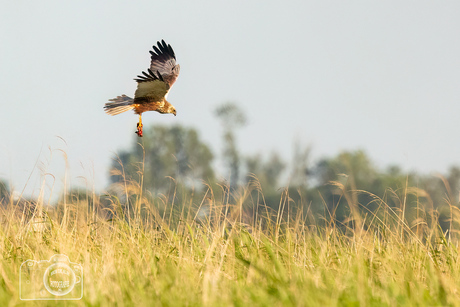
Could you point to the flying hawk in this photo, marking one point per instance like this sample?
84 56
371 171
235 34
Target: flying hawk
152 88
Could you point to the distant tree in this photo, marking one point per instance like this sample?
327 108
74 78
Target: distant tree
453 180
231 117
352 171
4 192
301 169
267 172
173 151
356 166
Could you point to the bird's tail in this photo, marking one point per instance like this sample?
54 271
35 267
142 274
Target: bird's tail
119 105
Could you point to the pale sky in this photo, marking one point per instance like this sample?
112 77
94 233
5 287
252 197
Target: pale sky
336 75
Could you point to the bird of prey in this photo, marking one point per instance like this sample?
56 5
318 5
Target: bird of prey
152 87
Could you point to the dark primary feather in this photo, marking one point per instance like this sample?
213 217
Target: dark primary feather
158 73
149 76
163 52
162 65
163 61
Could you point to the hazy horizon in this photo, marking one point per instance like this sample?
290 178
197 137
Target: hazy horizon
382 77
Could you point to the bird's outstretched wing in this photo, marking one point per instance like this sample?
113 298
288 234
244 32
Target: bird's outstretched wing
151 85
161 75
163 61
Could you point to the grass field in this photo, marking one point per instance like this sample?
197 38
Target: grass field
148 252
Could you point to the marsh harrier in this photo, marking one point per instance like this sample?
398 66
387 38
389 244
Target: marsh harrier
152 87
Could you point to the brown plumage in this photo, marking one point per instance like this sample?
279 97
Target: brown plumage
152 86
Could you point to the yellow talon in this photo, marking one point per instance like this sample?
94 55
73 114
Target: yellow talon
139 131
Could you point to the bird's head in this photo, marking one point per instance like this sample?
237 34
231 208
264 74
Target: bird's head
167 108
170 108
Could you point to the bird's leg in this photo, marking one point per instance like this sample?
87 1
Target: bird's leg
139 126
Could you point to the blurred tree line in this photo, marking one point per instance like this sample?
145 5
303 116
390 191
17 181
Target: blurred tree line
333 188
4 192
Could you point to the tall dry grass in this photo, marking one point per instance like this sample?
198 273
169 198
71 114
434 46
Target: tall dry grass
228 248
